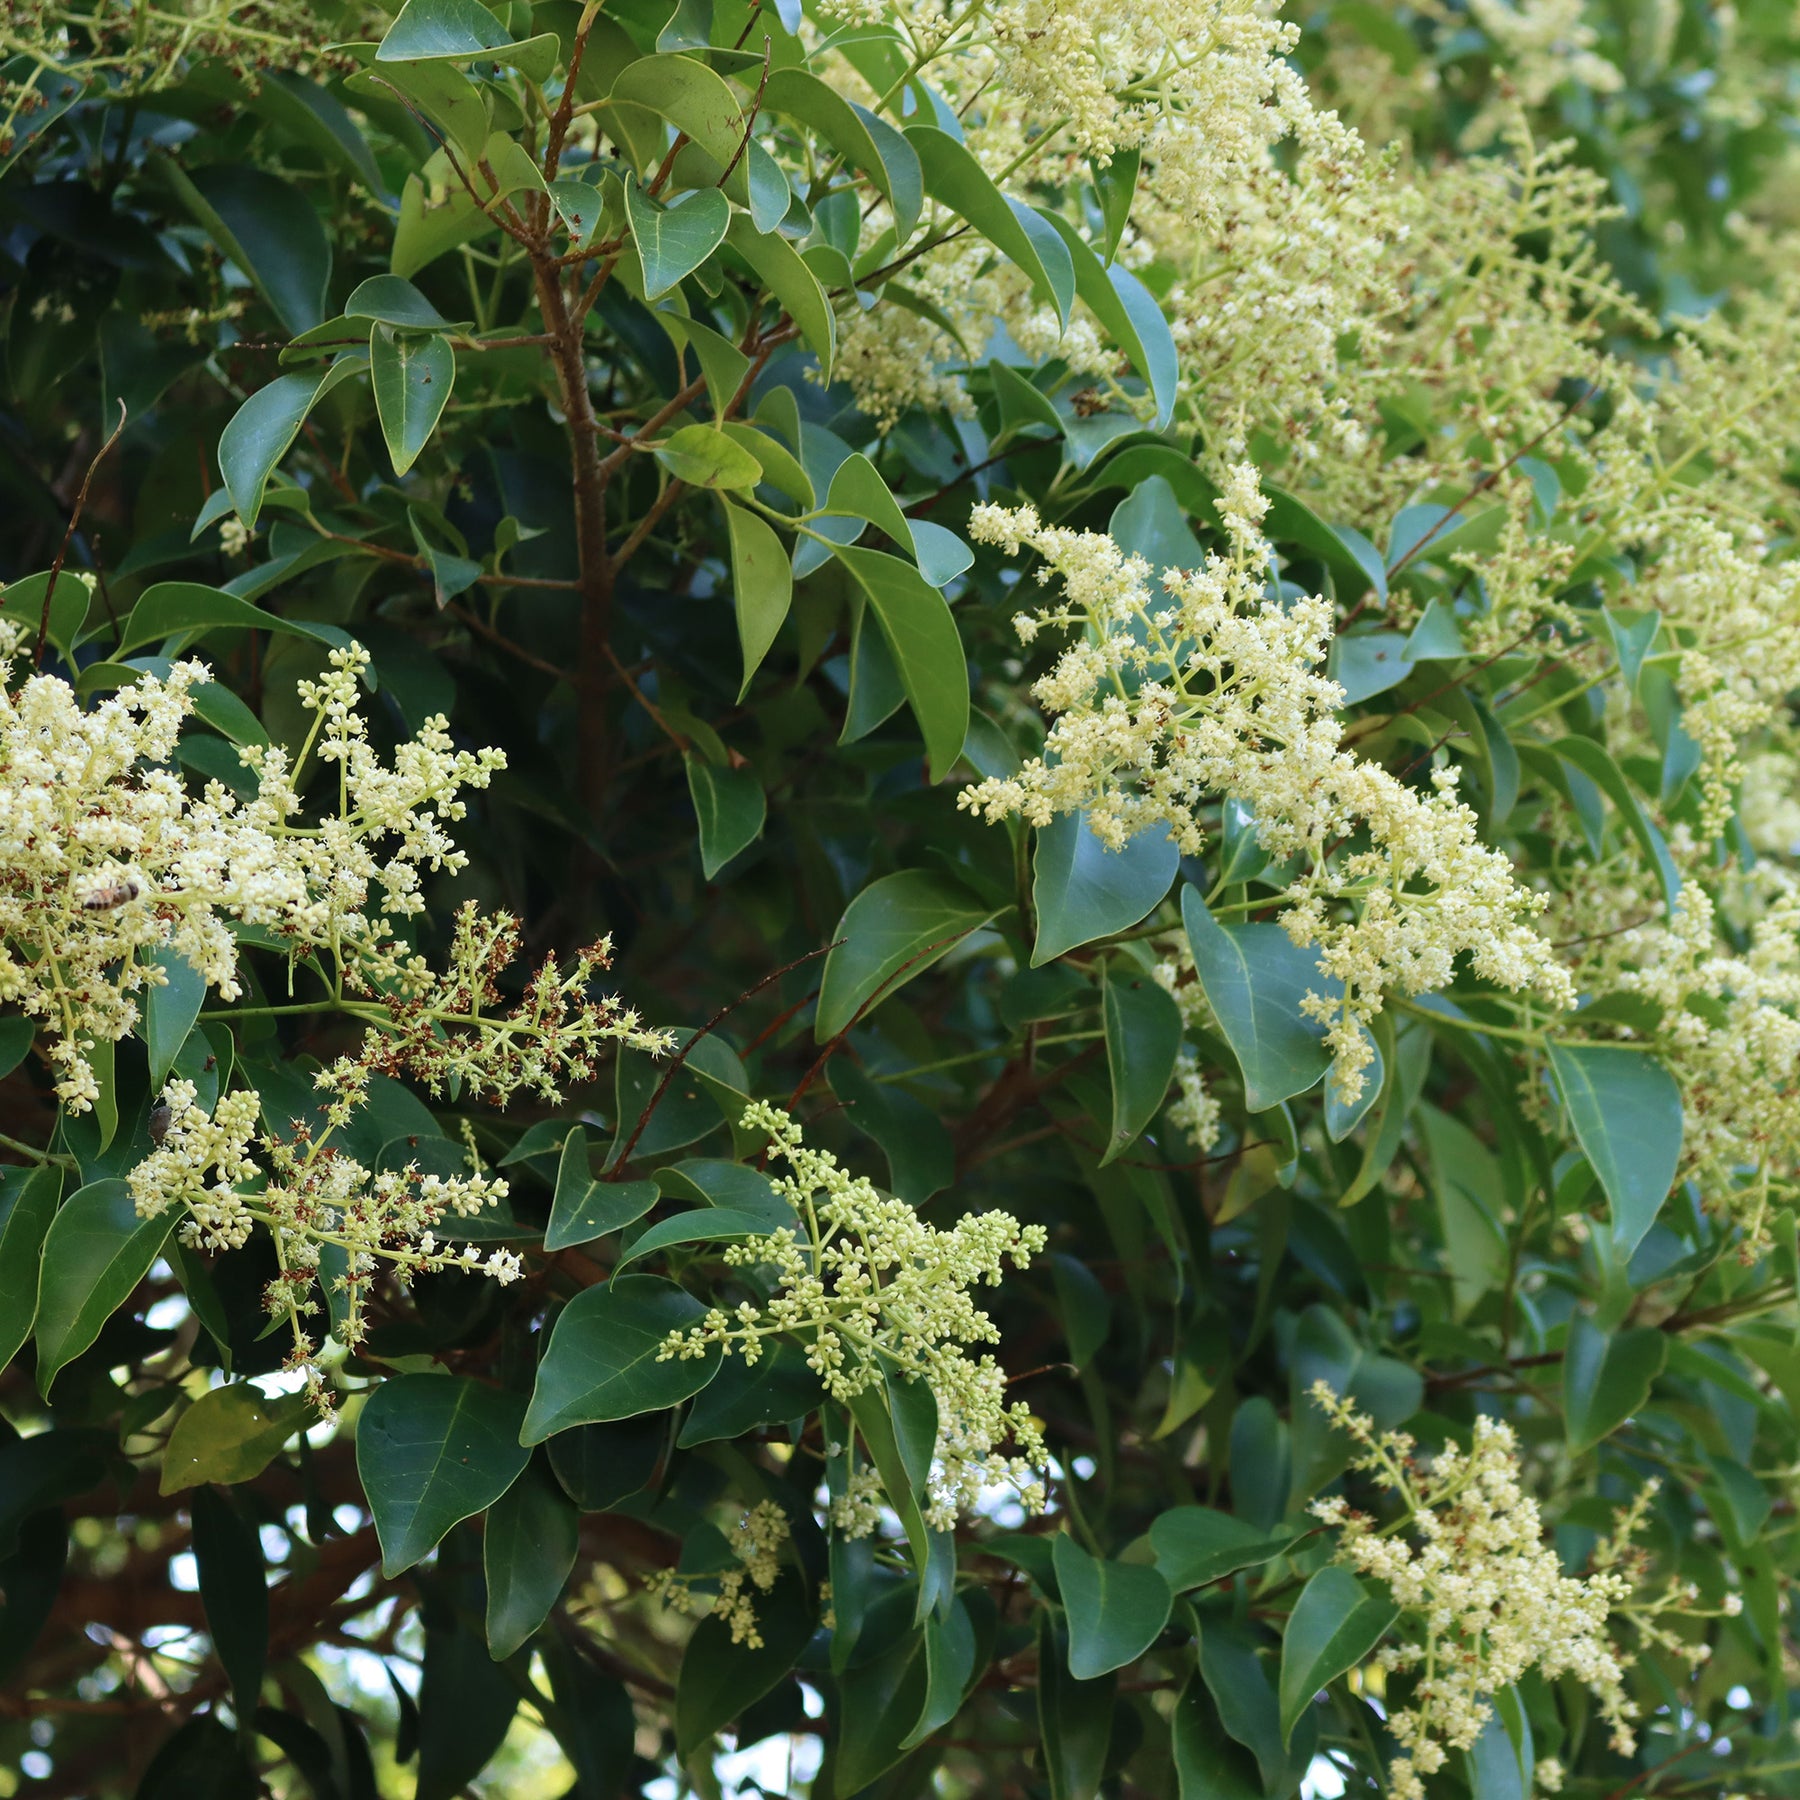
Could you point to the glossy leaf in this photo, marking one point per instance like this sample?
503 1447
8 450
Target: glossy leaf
433 1450
1143 1038
720 1679
1626 1111
582 1208
1082 891
602 1361
261 431
1607 1376
705 457
1196 1546
1116 1610
28 1200
762 582
230 1434
1334 1627
528 1546
729 808
413 377
674 240
234 1591
170 1011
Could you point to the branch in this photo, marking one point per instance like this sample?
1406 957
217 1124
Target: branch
62 549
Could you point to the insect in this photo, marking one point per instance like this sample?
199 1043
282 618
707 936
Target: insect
160 1115
114 894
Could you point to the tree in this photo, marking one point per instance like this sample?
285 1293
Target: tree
898 900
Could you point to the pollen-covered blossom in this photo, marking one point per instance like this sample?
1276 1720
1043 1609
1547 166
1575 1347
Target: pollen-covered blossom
755 1544
866 1285
1483 1596
330 1218
1212 688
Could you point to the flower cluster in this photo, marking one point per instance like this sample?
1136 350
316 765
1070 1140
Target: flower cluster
106 861
867 1286
330 1218
1483 1597
755 1543
1212 687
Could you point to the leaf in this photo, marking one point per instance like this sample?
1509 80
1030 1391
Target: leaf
1081 891
719 1679
432 1450
201 1760
598 1466
876 1697
424 233
762 581
673 241
921 1160
582 1208
927 650
1607 1376
1255 977
269 229
690 96
28 1200
392 300
729 808
230 1434
1143 1038
1116 1610
895 929
170 1011
950 1663
865 141
783 271
259 433
705 1225
1196 1546
1589 759
1209 1763
412 377
22 602
779 1386
602 1360
1626 1111
528 1546
173 607
705 457
1335 1625
95 1253
234 1591
1075 1719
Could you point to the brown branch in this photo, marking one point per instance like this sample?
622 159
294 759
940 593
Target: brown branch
68 536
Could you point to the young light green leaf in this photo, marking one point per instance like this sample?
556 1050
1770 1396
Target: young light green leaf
690 96
230 1434
926 647
528 1546
703 456
1607 1376
1143 1038
413 377
1116 1610
1255 977
894 929
602 1362
1626 1110
673 241
431 1450
96 1251
1335 1626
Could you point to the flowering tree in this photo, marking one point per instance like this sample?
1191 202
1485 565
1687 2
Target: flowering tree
899 898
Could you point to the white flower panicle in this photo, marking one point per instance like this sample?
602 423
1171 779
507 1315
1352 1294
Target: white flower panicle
107 861
1211 687
1483 1597
312 1198
755 1542
867 1286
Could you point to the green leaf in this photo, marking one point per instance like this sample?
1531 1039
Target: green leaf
1209 1763
28 1200
953 177
777 1387
602 1360
95 1253
269 229
260 432
170 1011
784 272
412 377
865 141
762 581
200 1760
720 1679
927 650
703 456
424 232
582 1208
1589 759
392 300
921 1159
1255 977
1075 1719
950 1667
690 96
230 1434
1143 1038
432 1450
705 1225
425 30
1082 891
1196 1546
894 929
1116 1610
674 240
876 1697
1607 1376
234 1591
1335 1626
528 1546
1626 1110
173 607
22 601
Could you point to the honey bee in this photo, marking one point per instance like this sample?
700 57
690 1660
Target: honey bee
113 895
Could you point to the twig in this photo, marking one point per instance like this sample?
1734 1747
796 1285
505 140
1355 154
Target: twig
62 549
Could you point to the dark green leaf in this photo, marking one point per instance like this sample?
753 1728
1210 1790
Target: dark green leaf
1075 1719
412 376
719 1679
1335 1626
1082 891
234 1591
431 1450
1116 1610
528 1547
1626 1110
582 1208
729 807
28 1200
262 429
1607 1376
1143 1038
1195 1546
777 1387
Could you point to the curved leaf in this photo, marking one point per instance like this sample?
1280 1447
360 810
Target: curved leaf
412 377
1116 1610
1335 1625
1626 1110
